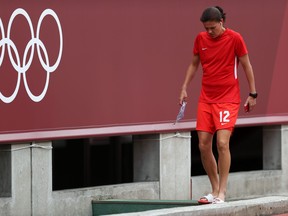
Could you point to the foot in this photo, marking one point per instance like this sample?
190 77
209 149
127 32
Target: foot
208 199
217 200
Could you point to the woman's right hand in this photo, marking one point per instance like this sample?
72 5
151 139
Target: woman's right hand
183 96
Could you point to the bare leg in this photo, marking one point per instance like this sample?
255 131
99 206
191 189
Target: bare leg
224 160
208 160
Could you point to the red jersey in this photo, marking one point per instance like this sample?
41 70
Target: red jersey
219 60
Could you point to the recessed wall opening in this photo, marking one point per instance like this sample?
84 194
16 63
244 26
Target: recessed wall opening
250 149
103 161
89 162
6 169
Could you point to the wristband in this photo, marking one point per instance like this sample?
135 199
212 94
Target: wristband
254 95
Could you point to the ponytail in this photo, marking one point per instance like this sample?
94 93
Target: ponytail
223 15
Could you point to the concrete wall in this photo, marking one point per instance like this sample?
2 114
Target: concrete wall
162 163
166 158
30 189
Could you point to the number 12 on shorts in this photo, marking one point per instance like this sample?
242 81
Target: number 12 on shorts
224 116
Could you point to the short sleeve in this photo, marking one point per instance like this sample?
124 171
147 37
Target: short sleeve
240 46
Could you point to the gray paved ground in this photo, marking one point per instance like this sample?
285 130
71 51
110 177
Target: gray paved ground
271 205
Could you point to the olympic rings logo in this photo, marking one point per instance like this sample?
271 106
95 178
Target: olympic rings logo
22 66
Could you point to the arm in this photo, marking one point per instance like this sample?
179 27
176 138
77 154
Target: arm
189 76
245 62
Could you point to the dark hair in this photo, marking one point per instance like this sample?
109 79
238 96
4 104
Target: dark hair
213 14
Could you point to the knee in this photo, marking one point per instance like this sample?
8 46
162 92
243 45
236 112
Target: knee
204 147
222 145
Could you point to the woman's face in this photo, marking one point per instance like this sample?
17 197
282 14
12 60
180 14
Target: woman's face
213 28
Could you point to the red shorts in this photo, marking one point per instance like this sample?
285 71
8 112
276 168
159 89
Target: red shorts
216 116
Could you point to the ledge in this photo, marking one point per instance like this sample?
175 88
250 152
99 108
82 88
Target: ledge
72 133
